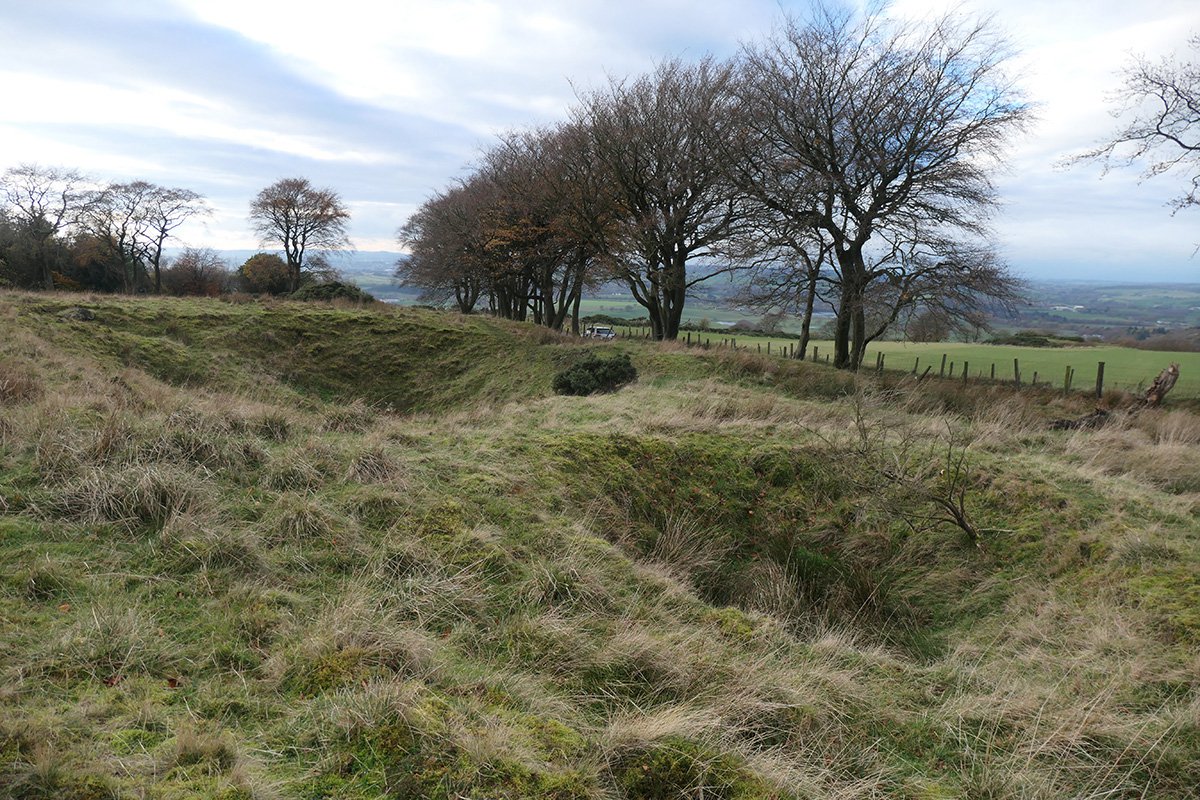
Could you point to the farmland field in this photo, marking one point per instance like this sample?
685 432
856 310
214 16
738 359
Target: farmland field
1124 367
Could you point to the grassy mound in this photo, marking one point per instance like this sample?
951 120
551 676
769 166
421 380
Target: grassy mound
275 551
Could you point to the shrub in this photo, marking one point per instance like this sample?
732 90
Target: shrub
332 290
595 374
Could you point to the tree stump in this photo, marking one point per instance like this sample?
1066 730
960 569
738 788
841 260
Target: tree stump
1162 384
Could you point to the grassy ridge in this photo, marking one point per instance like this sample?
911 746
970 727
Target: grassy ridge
230 571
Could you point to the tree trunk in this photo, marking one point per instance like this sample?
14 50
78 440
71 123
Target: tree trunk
806 320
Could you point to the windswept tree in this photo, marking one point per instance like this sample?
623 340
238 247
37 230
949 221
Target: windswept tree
548 220
41 203
447 252
1159 102
878 138
302 219
657 138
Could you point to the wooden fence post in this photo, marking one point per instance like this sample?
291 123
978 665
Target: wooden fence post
966 371
1099 380
942 373
768 347
1017 373
916 364
882 362
815 349
993 370
1067 380
951 369
1035 374
689 339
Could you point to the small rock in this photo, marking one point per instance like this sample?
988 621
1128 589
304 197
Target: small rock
81 314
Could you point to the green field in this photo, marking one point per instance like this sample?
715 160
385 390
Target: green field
1124 367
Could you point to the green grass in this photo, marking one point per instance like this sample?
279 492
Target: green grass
1125 368
269 550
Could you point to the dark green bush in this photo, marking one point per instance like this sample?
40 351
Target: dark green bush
595 374
331 291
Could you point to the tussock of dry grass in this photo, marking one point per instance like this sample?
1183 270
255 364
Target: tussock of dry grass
148 494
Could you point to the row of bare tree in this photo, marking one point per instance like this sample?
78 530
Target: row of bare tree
844 161
58 229
111 236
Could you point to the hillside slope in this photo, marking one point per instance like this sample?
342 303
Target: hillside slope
256 551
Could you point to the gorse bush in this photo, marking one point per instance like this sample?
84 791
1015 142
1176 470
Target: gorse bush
595 374
332 290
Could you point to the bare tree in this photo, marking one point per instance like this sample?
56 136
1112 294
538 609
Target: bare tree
197 271
42 202
1160 102
300 218
551 217
165 210
657 139
878 138
116 217
447 252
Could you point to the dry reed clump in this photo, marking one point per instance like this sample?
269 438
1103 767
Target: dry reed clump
353 417
199 541
200 440
273 426
296 470
693 550
1125 448
768 587
346 714
141 494
109 642
1176 427
304 520
18 384
373 464
636 666
353 638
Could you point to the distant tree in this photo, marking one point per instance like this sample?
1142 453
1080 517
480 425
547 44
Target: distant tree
1160 102
196 271
926 326
41 203
300 218
264 273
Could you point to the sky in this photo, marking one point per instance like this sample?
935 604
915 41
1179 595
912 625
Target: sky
387 103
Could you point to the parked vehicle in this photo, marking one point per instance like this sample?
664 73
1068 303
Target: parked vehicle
599 332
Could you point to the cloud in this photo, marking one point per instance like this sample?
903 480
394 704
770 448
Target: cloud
387 103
